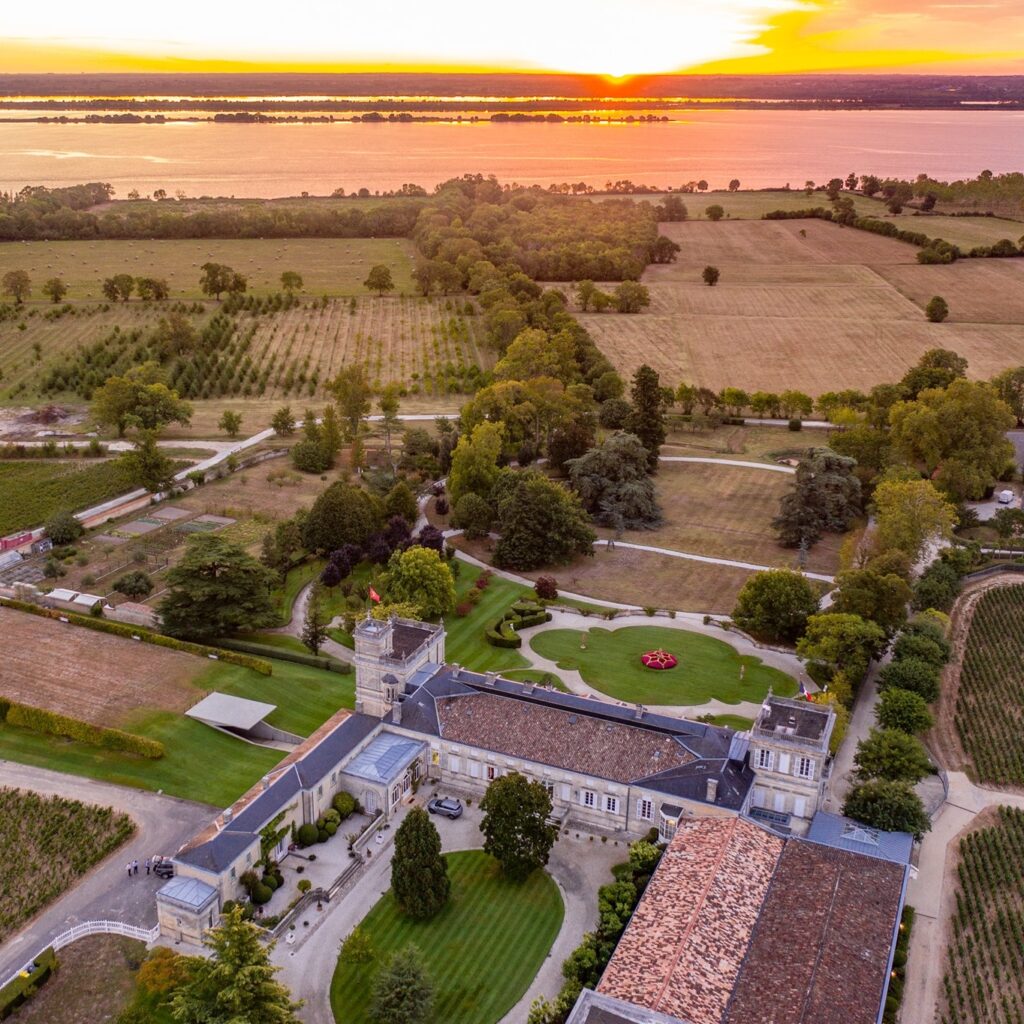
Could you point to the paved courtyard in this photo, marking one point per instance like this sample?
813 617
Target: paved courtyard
578 865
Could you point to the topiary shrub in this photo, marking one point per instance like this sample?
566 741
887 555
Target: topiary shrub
322 835
270 882
305 885
331 828
306 835
344 803
261 894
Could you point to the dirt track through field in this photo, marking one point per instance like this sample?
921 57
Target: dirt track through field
90 676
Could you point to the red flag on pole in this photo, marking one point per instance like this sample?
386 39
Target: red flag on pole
374 596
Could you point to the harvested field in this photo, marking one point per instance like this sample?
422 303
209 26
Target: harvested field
810 313
91 676
754 205
726 511
779 242
329 266
978 291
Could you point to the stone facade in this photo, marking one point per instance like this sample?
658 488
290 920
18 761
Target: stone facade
788 752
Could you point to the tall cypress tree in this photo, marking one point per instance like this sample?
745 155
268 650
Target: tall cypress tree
419 874
647 418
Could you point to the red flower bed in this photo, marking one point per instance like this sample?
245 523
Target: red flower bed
659 660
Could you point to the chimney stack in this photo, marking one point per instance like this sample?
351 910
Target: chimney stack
712 793
396 713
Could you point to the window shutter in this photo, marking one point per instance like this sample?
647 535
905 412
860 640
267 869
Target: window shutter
784 763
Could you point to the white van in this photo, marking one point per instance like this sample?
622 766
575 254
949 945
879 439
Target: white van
1006 497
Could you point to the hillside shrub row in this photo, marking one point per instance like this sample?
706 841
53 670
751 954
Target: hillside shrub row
50 723
260 665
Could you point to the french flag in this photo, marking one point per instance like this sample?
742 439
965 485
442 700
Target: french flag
805 693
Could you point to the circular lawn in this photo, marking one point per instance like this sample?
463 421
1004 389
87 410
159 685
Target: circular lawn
482 951
707 669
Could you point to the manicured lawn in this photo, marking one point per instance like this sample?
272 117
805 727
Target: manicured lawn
482 951
200 764
465 643
708 668
305 697
737 722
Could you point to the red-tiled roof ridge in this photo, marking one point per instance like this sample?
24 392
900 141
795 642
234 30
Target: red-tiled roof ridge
701 905
685 938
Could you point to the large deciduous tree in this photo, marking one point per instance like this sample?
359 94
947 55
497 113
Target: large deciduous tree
215 590
910 513
419 873
352 394
420 576
889 806
379 280
474 467
515 824
148 466
613 483
891 754
541 522
343 514
17 284
775 605
841 641
536 353
139 398
217 278
236 982
647 416
957 434
904 710
879 597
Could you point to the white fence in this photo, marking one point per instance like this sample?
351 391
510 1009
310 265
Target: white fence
80 931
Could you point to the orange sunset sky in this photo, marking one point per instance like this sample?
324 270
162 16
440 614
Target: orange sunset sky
609 37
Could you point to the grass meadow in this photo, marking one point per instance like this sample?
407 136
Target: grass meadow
481 951
329 266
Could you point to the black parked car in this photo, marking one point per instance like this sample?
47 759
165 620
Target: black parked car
447 806
163 868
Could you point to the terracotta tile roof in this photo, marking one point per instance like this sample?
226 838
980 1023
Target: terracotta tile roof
684 947
561 739
820 952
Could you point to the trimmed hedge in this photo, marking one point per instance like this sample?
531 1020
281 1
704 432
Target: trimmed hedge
522 615
266 651
145 635
52 724
15 992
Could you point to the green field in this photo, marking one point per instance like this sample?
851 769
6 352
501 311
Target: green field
708 669
329 266
31 491
482 951
305 698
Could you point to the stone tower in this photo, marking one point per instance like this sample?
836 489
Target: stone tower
788 753
389 654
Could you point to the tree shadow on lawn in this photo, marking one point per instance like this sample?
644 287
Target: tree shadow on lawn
708 669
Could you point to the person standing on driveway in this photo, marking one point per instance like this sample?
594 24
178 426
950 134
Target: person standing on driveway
129 869
147 865
135 867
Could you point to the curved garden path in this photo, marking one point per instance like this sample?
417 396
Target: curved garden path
772 467
684 621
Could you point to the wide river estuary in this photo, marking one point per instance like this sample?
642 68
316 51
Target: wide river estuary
762 148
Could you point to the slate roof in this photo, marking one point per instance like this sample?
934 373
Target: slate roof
822 948
216 849
595 1008
798 718
407 638
691 751
683 949
843 834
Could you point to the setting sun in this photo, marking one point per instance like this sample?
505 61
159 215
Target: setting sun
609 37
